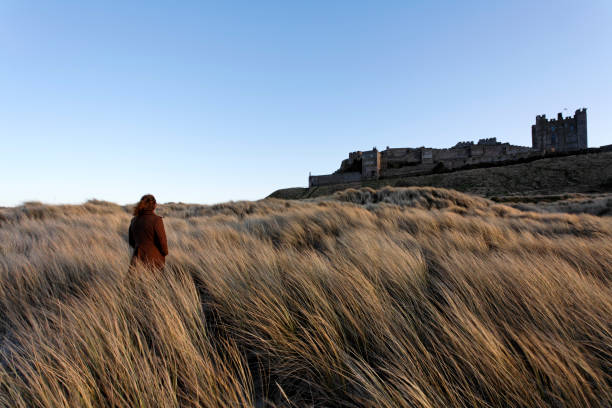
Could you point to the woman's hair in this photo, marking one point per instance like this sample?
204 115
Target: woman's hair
147 202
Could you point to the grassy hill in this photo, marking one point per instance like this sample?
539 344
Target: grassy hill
417 297
583 173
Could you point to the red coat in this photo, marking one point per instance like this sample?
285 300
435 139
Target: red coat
148 238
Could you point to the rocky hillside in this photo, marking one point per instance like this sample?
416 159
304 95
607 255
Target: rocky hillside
586 173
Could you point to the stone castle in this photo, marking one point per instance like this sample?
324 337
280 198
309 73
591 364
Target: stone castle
547 136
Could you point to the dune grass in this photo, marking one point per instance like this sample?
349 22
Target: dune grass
415 297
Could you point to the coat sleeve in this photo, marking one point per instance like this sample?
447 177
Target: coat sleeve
131 235
160 233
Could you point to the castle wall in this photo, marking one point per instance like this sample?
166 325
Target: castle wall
408 171
339 178
395 158
518 150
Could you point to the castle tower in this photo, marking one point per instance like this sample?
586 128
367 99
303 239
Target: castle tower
581 128
538 132
560 134
370 164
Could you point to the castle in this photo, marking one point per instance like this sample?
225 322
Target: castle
547 136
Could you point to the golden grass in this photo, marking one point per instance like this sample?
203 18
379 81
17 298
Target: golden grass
572 203
414 297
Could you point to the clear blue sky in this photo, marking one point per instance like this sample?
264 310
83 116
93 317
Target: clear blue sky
215 101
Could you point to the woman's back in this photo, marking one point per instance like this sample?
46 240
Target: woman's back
148 237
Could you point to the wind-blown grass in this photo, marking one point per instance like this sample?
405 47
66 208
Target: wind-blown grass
413 297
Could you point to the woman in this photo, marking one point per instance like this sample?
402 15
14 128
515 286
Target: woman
147 235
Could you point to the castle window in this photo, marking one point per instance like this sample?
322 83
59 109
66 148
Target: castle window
552 128
553 139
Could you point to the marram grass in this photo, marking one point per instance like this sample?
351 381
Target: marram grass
414 297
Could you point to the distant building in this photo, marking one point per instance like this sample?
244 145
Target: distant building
561 134
556 135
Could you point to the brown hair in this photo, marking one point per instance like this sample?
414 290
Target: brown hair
147 202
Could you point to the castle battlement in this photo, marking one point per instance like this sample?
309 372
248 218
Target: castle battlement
548 135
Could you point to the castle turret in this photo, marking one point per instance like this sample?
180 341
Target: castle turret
581 128
537 132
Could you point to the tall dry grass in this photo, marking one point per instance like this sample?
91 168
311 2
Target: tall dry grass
412 297
599 204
